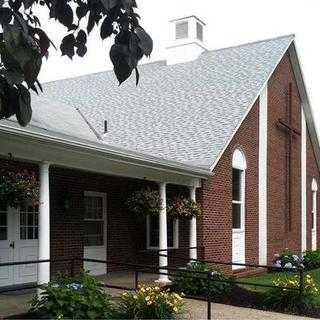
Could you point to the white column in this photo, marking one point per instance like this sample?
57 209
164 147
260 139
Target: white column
303 182
44 225
193 229
163 241
263 164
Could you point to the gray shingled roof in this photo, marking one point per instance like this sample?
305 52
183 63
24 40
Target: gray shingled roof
185 112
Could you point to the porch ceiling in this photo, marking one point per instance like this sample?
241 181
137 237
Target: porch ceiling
39 147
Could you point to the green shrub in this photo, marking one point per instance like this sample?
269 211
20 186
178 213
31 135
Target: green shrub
312 259
150 303
197 284
289 298
82 297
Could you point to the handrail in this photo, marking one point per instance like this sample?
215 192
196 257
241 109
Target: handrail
162 270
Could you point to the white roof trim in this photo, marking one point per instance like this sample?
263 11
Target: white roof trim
249 109
296 65
114 153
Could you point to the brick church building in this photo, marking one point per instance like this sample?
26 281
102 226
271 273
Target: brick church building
231 128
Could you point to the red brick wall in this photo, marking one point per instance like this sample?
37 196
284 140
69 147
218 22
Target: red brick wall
126 235
215 230
279 236
312 173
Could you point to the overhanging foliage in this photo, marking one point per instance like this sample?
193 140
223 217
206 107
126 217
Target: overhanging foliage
23 44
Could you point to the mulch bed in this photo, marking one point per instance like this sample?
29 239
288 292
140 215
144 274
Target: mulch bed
240 297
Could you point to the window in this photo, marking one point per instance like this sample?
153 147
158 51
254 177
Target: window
93 221
199 31
182 30
3 222
238 189
314 204
29 223
237 201
153 232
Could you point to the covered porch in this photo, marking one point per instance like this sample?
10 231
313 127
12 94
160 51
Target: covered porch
82 211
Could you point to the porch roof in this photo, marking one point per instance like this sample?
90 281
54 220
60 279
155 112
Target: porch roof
37 144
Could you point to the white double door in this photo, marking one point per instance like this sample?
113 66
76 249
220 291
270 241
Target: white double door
18 242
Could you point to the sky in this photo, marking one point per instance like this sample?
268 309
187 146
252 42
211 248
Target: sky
228 23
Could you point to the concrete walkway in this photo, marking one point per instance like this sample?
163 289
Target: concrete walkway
198 310
17 304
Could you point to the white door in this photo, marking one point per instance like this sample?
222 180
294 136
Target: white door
18 242
95 231
6 252
26 244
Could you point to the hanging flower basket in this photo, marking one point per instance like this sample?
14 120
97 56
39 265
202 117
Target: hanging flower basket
144 202
18 189
182 208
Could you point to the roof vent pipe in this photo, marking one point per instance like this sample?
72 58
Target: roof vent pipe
105 126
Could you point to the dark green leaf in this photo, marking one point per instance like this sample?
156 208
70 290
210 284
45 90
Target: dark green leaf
66 16
106 28
67 45
82 50
82 10
91 22
119 55
32 69
146 43
13 77
24 112
109 4
5 15
137 76
81 37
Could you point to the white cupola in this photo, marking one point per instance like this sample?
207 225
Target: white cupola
186 40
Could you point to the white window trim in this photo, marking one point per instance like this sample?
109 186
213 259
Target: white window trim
242 201
104 200
175 235
314 188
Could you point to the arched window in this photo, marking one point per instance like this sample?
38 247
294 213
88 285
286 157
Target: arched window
239 166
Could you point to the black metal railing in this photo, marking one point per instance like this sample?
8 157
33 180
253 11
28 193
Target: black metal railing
139 269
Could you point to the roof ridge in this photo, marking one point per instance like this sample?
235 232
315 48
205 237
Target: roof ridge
250 43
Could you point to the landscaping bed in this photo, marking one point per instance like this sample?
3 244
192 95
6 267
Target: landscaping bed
285 300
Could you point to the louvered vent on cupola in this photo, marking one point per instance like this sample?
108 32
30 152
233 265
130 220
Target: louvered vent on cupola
186 43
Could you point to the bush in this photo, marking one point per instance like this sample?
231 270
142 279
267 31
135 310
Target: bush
82 297
312 259
288 260
288 298
149 303
197 284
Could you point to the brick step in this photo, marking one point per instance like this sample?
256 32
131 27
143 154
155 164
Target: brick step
243 273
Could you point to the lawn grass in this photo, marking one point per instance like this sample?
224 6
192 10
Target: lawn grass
268 279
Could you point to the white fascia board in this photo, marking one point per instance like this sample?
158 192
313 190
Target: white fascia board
251 106
110 153
296 65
